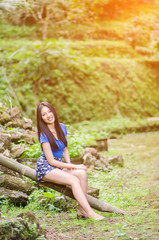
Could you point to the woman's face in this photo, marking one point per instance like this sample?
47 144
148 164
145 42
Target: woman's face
47 115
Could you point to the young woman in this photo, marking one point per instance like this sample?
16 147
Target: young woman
50 168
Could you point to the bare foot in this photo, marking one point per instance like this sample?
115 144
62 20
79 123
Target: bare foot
96 216
82 213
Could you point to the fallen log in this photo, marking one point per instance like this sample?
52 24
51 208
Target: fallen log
15 183
31 173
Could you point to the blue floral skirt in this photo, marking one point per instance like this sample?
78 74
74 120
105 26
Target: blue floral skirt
43 167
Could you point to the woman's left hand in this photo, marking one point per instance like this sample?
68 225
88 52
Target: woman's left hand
80 166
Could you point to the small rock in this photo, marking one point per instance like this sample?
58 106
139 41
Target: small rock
89 159
116 160
18 123
7 153
16 136
17 151
95 159
4 118
27 124
101 165
92 151
17 197
14 112
2 149
28 139
98 163
93 191
32 133
5 140
103 159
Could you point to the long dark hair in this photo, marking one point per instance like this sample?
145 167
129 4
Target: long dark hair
43 128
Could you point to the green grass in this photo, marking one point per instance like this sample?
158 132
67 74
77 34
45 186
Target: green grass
116 125
133 188
96 49
103 48
9 31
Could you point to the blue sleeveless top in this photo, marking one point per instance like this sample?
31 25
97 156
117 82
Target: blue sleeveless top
60 144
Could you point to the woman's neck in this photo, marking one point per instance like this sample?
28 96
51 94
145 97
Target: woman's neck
51 127
53 131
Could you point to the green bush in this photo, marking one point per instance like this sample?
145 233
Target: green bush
50 201
33 151
79 87
17 32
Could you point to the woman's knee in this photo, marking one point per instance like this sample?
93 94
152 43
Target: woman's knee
75 181
83 174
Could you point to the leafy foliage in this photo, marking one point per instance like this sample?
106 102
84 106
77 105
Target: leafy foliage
49 200
53 19
87 10
33 151
86 88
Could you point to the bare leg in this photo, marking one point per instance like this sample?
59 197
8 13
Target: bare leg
82 176
61 177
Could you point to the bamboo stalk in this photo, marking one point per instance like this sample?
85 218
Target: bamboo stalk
31 173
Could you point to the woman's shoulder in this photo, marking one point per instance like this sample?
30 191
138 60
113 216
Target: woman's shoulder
62 125
43 138
63 128
42 134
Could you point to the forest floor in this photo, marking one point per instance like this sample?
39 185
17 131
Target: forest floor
133 188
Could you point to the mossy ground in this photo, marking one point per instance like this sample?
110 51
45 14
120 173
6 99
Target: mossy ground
133 188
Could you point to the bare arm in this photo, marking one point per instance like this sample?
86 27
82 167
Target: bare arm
49 156
66 155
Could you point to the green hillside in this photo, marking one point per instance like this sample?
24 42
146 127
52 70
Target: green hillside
88 70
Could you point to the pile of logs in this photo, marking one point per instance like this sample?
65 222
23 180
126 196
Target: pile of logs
10 139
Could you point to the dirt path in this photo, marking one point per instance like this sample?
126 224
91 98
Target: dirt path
135 187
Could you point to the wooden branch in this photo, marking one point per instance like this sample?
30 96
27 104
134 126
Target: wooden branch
31 173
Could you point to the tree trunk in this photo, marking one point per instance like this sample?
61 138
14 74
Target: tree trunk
30 173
